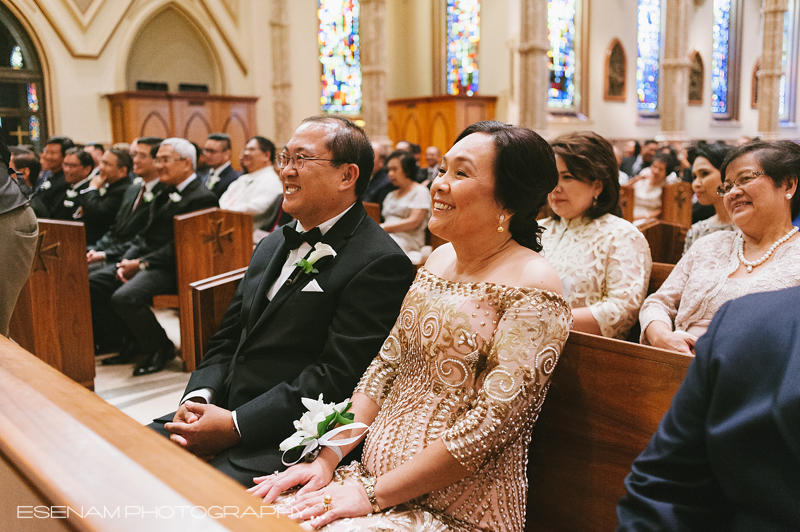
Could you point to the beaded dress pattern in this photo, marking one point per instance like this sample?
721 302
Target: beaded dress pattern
469 363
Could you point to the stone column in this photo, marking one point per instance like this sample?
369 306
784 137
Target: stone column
534 75
374 101
281 75
674 98
769 77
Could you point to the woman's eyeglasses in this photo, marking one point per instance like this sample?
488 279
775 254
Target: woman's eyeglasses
727 186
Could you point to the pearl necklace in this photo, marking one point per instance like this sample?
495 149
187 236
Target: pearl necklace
767 255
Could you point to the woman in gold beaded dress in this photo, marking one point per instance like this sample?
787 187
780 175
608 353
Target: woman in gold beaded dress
453 394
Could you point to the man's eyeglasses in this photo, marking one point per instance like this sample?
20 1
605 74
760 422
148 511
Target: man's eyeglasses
727 186
165 160
297 160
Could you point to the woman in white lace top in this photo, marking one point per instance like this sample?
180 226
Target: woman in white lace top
764 254
604 261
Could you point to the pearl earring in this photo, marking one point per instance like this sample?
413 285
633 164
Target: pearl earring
500 227
788 196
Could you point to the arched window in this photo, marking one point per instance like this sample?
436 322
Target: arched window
340 55
22 105
463 37
725 59
564 26
647 55
788 87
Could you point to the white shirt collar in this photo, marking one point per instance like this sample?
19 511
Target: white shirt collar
150 185
185 182
79 183
324 227
219 169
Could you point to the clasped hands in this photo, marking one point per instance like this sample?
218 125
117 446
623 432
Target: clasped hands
126 269
348 499
202 429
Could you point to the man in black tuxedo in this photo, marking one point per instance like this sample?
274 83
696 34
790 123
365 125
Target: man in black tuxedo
726 456
49 194
121 293
289 334
77 166
99 203
217 154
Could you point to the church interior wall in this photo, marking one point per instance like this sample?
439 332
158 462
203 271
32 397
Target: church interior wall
409 48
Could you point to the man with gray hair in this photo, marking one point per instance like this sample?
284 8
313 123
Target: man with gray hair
121 293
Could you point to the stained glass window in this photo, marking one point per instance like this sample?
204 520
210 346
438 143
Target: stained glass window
34 129
649 37
339 53
16 58
788 83
463 36
719 61
33 100
561 56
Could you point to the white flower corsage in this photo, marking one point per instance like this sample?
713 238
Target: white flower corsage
138 180
71 193
320 250
46 185
147 196
102 190
316 428
175 197
69 203
212 182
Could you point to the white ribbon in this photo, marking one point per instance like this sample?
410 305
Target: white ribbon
325 441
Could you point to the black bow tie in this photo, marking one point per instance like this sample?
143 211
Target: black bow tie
294 239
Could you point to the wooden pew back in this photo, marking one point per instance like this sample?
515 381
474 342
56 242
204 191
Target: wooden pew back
605 402
53 317
665 239
210 300
658 274
626 201
676 204
373 210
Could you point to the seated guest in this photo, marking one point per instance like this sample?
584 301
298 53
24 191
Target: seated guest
379 184
294 334
258 191
705 170
99 203
96 150
121 293
452 396
77 166
51 185
405 210
647 191
764 254
433 158
726 455
603 261
26 162
217 155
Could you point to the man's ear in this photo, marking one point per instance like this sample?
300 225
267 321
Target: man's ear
350 176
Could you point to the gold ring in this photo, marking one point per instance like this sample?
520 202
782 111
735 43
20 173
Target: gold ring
326 503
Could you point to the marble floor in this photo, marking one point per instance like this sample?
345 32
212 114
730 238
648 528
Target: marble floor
150 396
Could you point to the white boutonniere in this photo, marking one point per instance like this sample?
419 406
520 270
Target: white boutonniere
212 181
138 181
320 250
102 191
68 203
46 185
71 193
147 196
316 428
175 197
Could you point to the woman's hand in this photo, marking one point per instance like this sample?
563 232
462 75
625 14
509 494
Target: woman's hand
659 334
349 500
312 477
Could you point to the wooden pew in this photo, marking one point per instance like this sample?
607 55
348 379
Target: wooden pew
665 240
605 402
207 243
67 454
658 275
210 300
626 202
53 317
676 204
373 210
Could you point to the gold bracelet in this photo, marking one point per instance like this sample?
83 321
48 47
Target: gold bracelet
369 487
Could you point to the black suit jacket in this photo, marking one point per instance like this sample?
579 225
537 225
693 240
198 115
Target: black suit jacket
67 203
156 242
48 198
228 176
262 363
727 453
97 211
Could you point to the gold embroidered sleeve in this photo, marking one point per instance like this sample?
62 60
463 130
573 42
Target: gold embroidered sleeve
523 353
378 379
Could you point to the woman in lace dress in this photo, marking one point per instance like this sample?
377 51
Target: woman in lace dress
760 196
406 209
706 180
604 261
453 394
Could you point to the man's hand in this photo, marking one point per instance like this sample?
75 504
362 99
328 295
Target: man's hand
204 430
97 182
127 269
95 256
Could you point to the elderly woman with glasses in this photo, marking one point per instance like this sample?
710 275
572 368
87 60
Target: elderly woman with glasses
759 194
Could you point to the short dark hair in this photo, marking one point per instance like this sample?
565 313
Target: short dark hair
26 159
265 145
221 137
349 145
780 160
665 158
407 162
123 158
591 158
714 153
153 142
95 145
525 173
416 149
64 143
84 157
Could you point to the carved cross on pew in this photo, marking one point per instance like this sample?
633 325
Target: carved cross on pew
216 235
43 251
680 198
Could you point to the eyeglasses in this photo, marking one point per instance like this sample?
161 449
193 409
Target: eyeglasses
211 150
165 160
727 186
297 160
